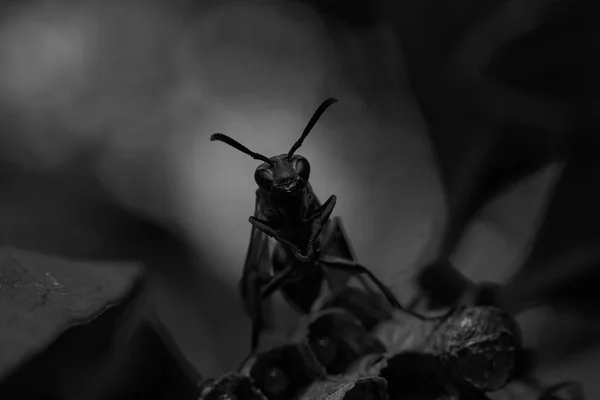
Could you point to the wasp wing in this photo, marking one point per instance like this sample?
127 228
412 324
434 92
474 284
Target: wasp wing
258 269
333 241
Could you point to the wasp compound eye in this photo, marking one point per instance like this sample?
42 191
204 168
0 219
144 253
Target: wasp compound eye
302 168
478 346
264 178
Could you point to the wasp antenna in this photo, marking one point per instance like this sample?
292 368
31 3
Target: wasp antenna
235 144
324 106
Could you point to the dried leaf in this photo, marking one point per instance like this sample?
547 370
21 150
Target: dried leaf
41 296
347 388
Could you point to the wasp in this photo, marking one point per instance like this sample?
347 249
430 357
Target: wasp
307 241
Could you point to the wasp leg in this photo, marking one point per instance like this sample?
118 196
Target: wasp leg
275 283
335 242
354 268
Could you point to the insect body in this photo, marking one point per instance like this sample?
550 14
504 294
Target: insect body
306 238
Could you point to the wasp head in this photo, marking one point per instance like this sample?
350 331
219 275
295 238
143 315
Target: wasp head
284 176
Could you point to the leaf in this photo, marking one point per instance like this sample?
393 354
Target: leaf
367 388
41 297
125 352
405 332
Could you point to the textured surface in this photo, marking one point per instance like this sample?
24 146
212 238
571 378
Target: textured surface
479 346
40 297
370 388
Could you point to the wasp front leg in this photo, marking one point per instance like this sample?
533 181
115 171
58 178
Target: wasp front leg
354 268
334 240
335 243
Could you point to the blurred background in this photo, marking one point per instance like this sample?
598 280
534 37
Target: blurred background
106 108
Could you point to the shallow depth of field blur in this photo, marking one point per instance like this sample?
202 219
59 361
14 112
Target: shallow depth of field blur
124 96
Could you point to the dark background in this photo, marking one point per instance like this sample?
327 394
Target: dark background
106 109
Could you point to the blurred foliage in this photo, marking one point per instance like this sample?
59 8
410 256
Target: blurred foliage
80 330
42 297
105 107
